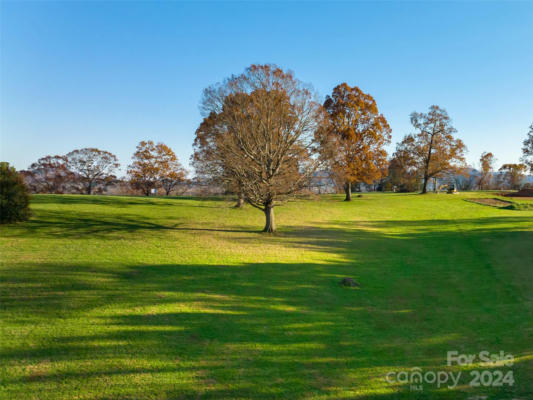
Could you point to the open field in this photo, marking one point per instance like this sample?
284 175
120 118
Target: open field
149 298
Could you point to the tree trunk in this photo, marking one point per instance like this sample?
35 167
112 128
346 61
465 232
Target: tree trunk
270 225
428 162
89 188
240 201
425 186
348 191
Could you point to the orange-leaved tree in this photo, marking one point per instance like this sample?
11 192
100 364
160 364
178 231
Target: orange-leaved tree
155 165
171 172
144 170
357 134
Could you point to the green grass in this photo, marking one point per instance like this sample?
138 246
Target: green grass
521 204
134 298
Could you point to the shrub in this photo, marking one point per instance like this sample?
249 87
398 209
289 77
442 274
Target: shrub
14 197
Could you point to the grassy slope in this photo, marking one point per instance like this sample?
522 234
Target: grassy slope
115 298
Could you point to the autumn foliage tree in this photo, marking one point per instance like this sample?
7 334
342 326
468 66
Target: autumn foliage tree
259 134
527 150
486 161
171 172
92 167
144 170
357 134
433 149
155 165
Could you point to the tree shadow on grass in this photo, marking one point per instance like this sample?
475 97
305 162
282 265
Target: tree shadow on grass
83 225
265 330
280 330
74 224
126 201
112 201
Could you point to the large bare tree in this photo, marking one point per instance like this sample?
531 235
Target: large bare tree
49 174
210 165
357 134
259 134
92 166
433 149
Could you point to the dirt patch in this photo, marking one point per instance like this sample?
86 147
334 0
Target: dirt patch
492 202
520 193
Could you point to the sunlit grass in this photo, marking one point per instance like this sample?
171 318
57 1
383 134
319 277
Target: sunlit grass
125 297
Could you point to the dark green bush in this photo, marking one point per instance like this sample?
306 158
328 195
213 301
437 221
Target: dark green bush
14 197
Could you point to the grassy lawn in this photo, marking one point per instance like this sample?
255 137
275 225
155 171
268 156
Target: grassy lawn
149 298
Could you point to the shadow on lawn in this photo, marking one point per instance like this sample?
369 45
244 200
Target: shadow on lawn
232 334
125 201
80 225
274 330
113 201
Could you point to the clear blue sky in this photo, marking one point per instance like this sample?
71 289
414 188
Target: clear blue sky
109 74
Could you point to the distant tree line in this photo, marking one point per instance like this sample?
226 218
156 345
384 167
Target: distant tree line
265 136
91 170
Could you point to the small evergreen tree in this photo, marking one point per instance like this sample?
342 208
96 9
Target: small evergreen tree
14 197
